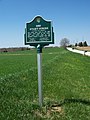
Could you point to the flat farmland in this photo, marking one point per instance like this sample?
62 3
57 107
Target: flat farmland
66 85
84 48
21 61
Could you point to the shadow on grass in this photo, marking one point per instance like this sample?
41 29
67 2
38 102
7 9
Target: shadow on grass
87 102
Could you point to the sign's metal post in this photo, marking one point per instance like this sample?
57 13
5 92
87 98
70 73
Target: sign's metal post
39 63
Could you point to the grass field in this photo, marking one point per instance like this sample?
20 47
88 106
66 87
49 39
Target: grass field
66 86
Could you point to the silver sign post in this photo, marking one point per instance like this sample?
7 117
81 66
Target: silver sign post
39 63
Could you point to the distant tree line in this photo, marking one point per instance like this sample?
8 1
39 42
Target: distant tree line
14 49
81 44
64 42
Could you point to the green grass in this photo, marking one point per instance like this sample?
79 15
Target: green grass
66 84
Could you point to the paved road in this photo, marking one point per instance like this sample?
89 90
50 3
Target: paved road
79 51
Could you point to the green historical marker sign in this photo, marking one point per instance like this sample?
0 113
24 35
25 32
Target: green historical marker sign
39 31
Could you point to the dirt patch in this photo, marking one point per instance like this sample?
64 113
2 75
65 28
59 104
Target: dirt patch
49 112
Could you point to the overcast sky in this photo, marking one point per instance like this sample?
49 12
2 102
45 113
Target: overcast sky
71 19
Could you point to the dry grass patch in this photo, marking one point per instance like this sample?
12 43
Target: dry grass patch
84 48
49 112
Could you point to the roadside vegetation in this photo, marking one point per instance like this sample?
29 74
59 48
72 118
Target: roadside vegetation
66 86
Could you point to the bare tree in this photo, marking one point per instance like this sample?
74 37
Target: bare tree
64 42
